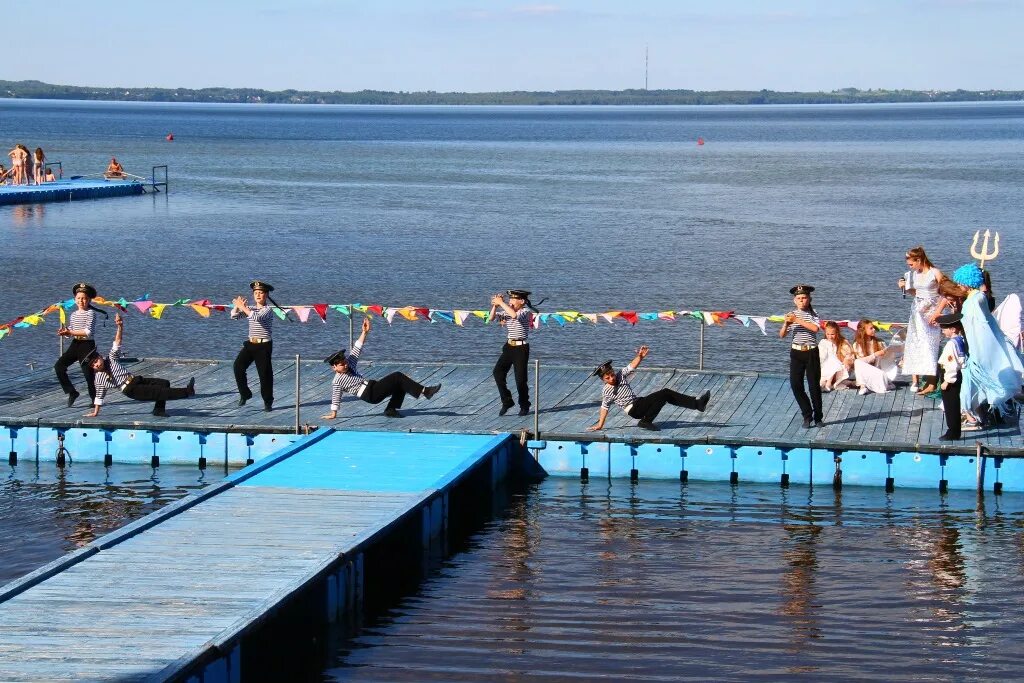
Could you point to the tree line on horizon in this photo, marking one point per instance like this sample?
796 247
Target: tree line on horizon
47 91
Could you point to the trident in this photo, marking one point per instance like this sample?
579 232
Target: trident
984 254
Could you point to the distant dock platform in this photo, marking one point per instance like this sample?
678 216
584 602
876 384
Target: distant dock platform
83 187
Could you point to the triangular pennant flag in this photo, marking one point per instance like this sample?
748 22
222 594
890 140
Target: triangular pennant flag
143 306
4 332
69 304
609 316
460 317
219 307
592 317
302 312
558 318
201 310
62 315
157 310
883 326
777 318
280 313
344 309
699 315
709 318
321 310
853 324
481 314
389 314
745 319
667 315
181 302
33 319
648 316
409 313
423 312
376 308
569 316
760 321
629 316
22 324
443 315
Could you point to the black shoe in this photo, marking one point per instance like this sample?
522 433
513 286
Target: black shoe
391 412
191 386
819 423
268 406
505 407
524 410
160 413
428 392
72 397
648 425
702 401
949 437
242 398
807 423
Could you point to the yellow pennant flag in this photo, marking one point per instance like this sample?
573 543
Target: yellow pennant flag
34 319
883 326
157 310
409 313
63 315
777 318
481 314
201 310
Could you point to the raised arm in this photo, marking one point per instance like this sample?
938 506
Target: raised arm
239 307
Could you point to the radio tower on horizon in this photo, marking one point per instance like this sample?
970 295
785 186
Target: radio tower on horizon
646 62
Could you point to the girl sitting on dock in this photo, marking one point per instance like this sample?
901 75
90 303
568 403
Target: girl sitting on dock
347 380
875 368
644 408
836 357
109 371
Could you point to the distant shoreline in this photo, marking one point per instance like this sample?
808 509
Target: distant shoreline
44 91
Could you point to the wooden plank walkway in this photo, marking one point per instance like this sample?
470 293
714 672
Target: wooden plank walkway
746 409
151 600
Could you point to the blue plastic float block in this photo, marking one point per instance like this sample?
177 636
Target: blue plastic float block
135 446
379 461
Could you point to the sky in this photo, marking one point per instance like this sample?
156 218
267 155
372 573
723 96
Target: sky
478 46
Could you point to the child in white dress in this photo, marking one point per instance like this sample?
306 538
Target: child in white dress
837 359
875 369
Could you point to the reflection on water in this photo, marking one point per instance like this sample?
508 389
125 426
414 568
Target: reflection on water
661 581
46 511
26 215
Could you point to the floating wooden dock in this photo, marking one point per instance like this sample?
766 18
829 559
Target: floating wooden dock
200 590
746 409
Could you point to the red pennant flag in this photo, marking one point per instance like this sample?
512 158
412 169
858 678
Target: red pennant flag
321 310
425 312
629 316
379 310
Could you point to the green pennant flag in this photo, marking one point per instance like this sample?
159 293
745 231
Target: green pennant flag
279 313
344 309
4 332
181 302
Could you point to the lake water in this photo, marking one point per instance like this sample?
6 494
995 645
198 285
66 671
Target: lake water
597 209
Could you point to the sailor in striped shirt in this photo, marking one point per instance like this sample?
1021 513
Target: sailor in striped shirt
347 380
803 354
644 408
80 329
259 346
516 316
110 372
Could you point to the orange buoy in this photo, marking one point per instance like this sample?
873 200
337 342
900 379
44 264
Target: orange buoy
170 137
700 141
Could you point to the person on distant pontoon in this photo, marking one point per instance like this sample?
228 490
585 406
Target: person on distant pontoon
114 169
347 380
644 408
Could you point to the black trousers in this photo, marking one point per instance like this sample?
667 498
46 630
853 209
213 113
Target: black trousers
259 354
806 364
951 404
647 407
394 386
154 389
77 351
517 357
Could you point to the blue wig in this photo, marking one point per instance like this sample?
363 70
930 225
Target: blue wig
969 275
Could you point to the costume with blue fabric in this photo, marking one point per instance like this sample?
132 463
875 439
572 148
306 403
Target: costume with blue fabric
995 368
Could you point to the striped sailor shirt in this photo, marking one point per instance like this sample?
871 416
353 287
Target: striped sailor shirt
82 321
113 374
517 326
620 393
801 335
347 382
261 321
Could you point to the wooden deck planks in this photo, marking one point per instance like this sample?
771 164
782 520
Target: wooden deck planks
745 408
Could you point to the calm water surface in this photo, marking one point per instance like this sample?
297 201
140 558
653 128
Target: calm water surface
597 209
668 582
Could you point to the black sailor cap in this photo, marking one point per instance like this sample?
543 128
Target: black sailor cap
260 284
335 358
518 294
603 369
89 290
801 289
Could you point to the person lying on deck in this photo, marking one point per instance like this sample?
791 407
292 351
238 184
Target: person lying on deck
114 169
347 380
110 371
644 408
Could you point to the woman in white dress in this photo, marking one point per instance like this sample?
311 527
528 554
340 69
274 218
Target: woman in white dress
921 351
875 369
836 356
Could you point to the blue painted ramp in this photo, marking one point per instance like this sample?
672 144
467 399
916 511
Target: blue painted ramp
68 190
181 588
